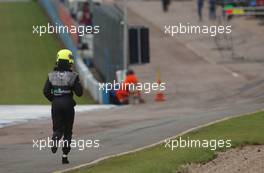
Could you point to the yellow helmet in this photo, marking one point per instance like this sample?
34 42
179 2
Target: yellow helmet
65 54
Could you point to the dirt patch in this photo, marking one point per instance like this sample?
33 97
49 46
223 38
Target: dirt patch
248 159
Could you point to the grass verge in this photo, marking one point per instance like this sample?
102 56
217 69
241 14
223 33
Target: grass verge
26 58
242 130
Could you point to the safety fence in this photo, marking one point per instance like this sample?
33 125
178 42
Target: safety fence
108 44
60 16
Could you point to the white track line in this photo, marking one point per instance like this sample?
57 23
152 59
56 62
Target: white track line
13 114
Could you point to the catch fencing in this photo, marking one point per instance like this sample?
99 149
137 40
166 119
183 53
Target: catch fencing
108 44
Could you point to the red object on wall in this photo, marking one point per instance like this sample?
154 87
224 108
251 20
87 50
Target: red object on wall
229 11
260 2
67 20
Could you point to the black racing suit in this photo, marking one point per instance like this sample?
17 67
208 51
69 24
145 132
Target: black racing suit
59 89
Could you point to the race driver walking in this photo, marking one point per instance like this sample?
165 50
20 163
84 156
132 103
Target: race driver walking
61 85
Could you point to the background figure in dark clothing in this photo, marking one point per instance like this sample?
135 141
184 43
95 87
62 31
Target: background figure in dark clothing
59 88
212 8
165 5
200 4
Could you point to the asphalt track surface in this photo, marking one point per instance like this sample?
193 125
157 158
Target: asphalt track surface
197 92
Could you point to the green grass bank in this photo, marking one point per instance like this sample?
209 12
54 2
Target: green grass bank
26 58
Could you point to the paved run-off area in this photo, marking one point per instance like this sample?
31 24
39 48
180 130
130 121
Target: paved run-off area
197 92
